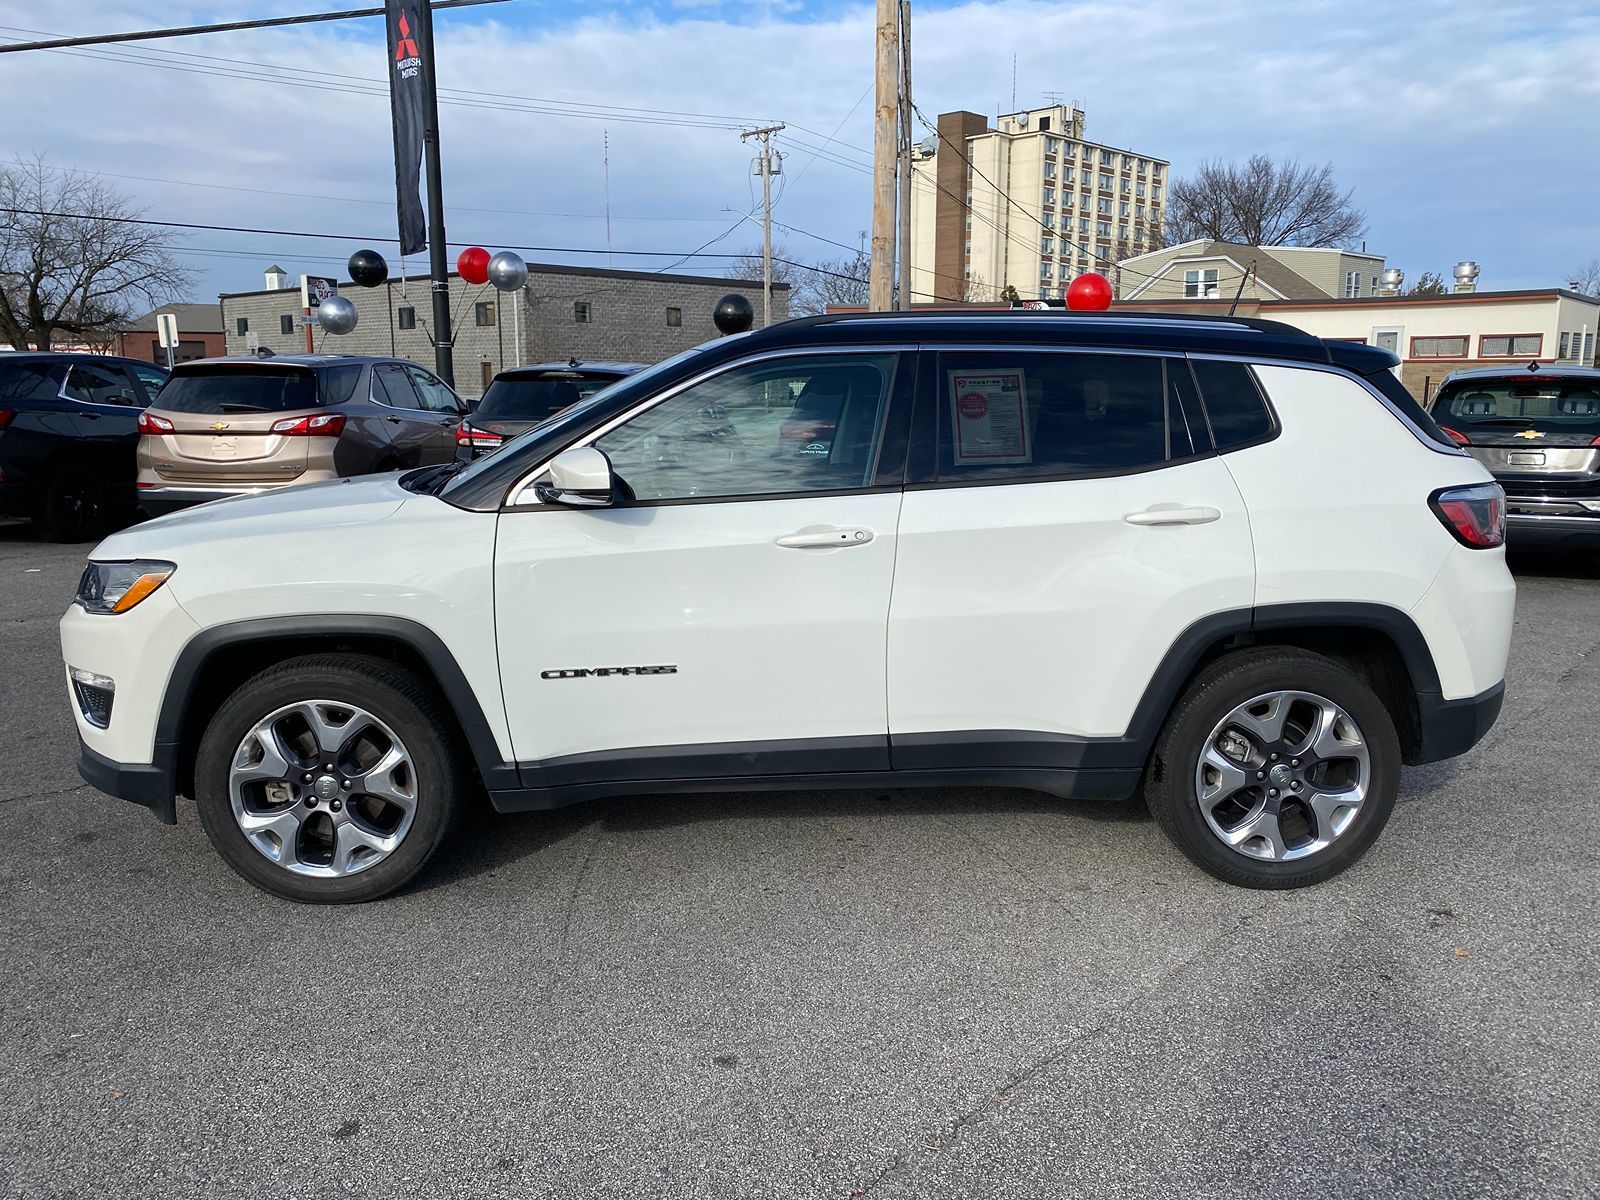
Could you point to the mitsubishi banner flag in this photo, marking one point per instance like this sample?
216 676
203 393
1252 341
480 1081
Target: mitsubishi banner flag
407 104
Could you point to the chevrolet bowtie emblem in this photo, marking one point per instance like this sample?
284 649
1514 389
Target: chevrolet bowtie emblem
1530 434
219 424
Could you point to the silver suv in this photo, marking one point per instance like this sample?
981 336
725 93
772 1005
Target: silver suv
236 426
1537 428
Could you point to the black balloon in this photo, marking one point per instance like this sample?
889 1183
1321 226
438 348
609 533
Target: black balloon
368 268
733 314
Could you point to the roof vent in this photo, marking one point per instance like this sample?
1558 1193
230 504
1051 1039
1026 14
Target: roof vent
1389 282
1466 273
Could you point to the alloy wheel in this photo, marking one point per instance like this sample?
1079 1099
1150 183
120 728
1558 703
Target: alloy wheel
323 788
1283 776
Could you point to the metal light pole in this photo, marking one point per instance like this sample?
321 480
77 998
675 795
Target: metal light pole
438 252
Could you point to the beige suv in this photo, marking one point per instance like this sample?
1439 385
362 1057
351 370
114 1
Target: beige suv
229 427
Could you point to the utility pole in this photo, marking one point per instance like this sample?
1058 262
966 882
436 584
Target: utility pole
903 295
880 282
765 165
438 252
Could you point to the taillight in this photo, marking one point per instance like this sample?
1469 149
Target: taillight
479 439
150 423
1476 515
5 416
1455 435
322 425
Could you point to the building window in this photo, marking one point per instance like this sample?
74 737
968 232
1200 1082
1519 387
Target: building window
968 250
1138 212
1439 347
1511 345
1044 123
1199 283
1352 285
1588 347
1107 157
286 323
1047 245
241 326
1139 190
1049 222
1051 145
1122 232
1105 182
1068 175
1127 187
1562 353
1102 228
1083 224
1122 209
1143 167
1155 193
1049 170
582 313
1127 161
483 313
406 318
1155 170
1049 195
674 317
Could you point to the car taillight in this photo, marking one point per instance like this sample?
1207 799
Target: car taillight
150 423
322 425
1455 435
481 439
5 416
1476 515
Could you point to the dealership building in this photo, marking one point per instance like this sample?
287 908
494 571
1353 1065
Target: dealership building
565 312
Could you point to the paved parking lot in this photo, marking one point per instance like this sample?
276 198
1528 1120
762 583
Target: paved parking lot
959 993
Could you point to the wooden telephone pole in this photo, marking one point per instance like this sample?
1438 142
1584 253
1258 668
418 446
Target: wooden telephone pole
885 143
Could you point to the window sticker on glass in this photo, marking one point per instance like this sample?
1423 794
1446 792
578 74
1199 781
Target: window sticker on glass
989 415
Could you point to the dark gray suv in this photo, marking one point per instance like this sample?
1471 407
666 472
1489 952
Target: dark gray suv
1537 428
236 426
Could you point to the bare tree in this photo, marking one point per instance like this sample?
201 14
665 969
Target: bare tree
1263 203
1429 283
73 259
1586 279
838 282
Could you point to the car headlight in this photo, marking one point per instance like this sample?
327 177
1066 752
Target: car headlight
115 587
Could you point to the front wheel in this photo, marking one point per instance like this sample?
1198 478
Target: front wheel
78 506
1277 769
329 779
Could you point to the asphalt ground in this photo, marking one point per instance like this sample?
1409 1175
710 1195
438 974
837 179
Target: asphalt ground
946 994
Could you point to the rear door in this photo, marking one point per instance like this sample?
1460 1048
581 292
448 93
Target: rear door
106 413
412 430
1066 522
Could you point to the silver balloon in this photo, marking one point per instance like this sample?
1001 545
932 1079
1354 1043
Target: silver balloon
507 271
336 315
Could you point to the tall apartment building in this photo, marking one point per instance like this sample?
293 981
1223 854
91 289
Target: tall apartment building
1029 204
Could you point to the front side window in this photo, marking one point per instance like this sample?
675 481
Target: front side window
1018 416
1511 345
390 387
436 397
796 425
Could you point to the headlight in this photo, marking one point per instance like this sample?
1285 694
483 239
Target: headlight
115 587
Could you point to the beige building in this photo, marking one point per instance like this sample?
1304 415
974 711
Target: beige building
1202 270
1029 204
565 312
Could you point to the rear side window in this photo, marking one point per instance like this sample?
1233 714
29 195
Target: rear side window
339 383
1007 415
1234 406
239 390
21 382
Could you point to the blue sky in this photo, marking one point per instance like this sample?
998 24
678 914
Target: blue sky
1465 130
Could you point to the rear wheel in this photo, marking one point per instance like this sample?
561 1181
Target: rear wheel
1277 769
329 779
77 507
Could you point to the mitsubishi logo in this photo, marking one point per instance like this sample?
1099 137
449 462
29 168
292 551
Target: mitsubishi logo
405 45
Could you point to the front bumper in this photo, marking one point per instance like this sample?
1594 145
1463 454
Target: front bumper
151 785
1450 728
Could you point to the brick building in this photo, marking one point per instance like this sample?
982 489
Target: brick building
199 334
565 312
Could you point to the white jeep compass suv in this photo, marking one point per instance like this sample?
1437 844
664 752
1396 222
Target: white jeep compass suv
1219 560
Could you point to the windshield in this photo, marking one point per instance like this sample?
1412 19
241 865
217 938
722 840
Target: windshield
235 390
535 397
1552 405
550 430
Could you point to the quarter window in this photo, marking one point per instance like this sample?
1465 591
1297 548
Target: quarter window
808 424
1233 403
1021 416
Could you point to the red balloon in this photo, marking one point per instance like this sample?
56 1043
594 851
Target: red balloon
1090 292
474 265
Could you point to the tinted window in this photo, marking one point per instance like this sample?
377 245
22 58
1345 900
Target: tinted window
20 382
1020 415
738 434
239 390
1552 405
436 397
339 383
390 386
151 377
100 385
535 397
1233 403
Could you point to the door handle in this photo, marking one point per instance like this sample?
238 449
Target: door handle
825 538
1199 515
393 420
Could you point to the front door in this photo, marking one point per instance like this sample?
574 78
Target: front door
728 615
444 409
1071 524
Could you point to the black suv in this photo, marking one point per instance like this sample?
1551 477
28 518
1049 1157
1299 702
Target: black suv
68 429
522 397
1537 429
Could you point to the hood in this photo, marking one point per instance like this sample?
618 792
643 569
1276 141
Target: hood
338 504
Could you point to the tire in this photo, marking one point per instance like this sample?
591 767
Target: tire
338 846
77 507
1280 842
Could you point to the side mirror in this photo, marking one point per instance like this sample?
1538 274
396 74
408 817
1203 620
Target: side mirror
579 478
472 405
